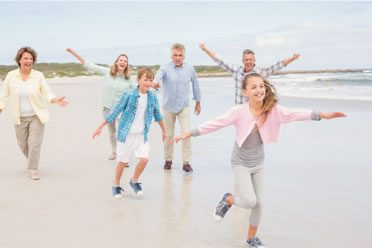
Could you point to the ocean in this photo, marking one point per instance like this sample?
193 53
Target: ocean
345 85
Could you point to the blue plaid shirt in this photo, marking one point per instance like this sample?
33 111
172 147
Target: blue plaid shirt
128 107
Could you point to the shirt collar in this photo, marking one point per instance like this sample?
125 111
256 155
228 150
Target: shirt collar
136 92
177 67
32 73
251 71
122 76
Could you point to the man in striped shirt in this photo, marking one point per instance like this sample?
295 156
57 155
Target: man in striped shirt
249 66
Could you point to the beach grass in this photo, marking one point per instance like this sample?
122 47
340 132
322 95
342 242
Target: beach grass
51 70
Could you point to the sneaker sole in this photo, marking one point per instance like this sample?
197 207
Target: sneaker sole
118 196
216 218
139 193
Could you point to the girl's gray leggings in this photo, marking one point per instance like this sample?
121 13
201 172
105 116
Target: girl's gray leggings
249 183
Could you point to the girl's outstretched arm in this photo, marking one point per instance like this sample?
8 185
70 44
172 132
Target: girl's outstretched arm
81 59
332 115
229 118
180 137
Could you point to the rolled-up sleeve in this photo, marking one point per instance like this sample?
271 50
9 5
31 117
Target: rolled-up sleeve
195 132
315 115
157 114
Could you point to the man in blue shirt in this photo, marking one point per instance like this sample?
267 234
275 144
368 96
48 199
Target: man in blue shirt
176 77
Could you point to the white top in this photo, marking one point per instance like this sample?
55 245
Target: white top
138 125
24 100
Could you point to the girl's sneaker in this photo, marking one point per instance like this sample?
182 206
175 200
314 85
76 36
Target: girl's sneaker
221 208
116 191
255 242
136 187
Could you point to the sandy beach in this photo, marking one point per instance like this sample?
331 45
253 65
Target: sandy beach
317 184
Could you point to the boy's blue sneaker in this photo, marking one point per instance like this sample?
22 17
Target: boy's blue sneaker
255 242
136 187
116 191
221 208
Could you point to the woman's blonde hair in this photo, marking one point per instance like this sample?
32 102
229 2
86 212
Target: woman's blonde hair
271 96
23 50
114 68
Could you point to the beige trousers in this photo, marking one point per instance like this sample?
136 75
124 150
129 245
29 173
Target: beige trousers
169 122
30 136
112 129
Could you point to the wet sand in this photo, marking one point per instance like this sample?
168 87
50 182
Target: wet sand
318 187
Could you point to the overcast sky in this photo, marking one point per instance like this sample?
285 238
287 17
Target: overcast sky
326 34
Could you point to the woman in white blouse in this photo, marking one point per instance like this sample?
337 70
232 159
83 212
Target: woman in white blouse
28 92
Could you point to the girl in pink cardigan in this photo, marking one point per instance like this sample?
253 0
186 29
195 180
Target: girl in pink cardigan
257 123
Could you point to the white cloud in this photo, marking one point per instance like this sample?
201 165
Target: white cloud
321 45
310 34
270 39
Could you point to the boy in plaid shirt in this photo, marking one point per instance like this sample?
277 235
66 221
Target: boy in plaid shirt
137 108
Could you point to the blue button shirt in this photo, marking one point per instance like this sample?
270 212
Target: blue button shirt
176 85
128 107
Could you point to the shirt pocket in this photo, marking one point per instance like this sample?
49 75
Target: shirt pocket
131 107
184 79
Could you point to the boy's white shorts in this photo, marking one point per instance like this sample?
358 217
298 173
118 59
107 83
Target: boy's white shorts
133 143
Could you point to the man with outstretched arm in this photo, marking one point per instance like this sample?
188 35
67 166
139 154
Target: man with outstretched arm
240 71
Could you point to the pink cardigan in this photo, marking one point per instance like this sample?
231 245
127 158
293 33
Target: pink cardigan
241 117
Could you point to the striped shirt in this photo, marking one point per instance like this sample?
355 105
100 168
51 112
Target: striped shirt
128 105
238 74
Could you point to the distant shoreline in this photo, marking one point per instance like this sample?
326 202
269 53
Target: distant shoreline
52 70
226 74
